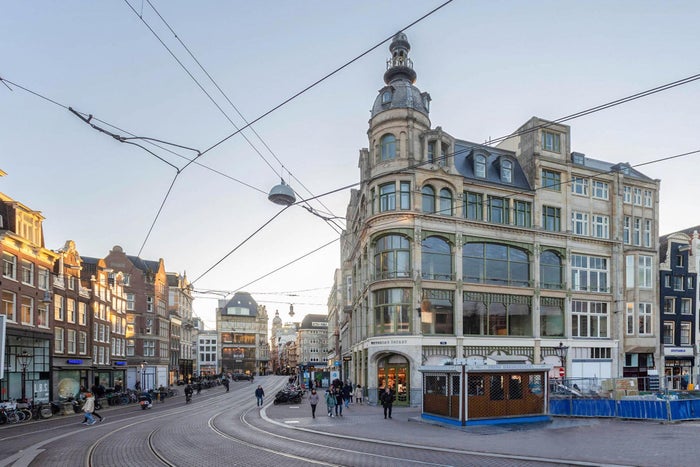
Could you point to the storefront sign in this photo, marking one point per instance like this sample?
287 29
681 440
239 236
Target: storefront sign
388 342
71 361
122 363
678 351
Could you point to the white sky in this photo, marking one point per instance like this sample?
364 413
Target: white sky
488 65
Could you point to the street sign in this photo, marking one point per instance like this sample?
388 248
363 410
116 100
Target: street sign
562 371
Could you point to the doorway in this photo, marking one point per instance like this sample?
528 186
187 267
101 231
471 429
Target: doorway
394 371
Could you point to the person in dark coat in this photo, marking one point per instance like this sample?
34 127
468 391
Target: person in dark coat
338 393
347 393
259 394
387 400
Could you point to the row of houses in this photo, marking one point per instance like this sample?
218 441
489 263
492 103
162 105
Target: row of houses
71 321
521 251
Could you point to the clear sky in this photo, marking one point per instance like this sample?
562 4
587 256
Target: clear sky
488 65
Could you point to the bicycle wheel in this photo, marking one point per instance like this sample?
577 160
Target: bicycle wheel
45 411
27 414
3 418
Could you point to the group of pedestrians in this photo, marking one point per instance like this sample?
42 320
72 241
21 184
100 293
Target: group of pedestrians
337 396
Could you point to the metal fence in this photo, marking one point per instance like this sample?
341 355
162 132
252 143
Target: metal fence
634 398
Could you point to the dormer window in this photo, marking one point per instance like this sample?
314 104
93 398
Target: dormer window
443 155
551 141
506 171
388 146
386 97
480 166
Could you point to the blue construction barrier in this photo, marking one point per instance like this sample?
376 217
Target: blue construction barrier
637 409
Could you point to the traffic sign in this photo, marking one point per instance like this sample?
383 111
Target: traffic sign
562 371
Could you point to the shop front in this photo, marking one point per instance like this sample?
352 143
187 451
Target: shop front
679 363
392 371
27 368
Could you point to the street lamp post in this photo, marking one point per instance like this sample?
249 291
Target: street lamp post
561 352
23 360
143 379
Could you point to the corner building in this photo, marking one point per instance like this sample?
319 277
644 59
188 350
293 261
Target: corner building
458 250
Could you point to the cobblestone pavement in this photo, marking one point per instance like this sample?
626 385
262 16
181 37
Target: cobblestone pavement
596 441
188 437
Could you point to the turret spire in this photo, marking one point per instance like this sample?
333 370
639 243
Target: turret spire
399 66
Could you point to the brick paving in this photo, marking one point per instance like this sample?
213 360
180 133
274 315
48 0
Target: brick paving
598 441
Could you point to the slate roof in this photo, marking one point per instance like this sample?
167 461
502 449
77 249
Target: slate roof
464 163
243 300
144 264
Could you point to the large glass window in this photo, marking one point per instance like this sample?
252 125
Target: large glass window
387 197
497 314
579 185
589 319
551 316
428 195
551 180
668 333
445 202
551 218
645 319
58 344
498 210
589 273
58 311
522 211
437 312
436 259
600 226
473 205
392 311
627 194
27 310
9 305
600 189
405 195
43 279
626 230
551 141
27 272
579 223
645 272
551 270
388 143
9 266
431 151
480 166
647 233
392 257
686 330
506 171
493 263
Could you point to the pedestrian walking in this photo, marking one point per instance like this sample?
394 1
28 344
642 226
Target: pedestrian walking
330 401
387 401
224 381
313 400
347 393
88 408
259 394
358 394
338 401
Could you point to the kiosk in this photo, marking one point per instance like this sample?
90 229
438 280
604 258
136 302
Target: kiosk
485 394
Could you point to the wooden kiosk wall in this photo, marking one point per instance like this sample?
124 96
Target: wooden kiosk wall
463 395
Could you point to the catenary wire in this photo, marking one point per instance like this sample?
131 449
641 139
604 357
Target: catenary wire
264 143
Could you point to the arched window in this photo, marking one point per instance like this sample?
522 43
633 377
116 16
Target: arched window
392 257
428 199
493 263
386 97
480 166
550 270
388 144
445 202
436 259
506 171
